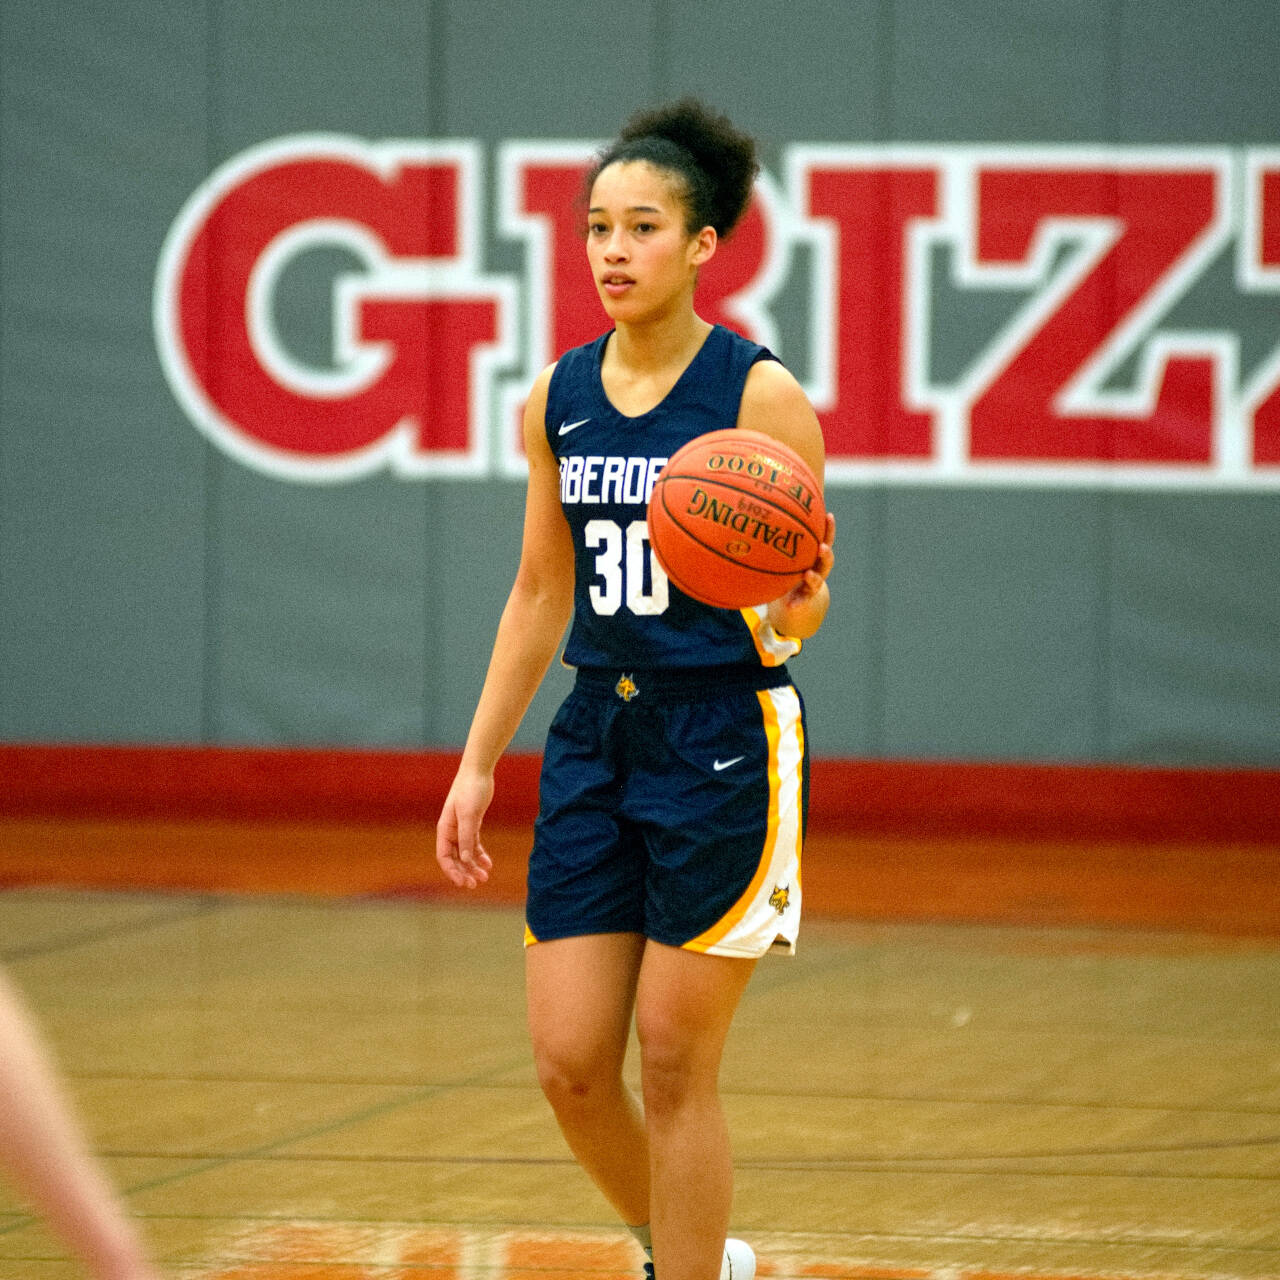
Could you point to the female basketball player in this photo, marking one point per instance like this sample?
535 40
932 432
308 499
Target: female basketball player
666 851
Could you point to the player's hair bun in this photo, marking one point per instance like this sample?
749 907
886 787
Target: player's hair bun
716 159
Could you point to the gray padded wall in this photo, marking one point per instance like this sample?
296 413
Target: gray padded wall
154 588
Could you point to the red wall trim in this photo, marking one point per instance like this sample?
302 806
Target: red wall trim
251 783
1056 802
912 798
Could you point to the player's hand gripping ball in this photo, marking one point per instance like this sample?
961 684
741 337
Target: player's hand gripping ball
736 518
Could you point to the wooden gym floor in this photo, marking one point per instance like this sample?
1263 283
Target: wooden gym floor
302 1060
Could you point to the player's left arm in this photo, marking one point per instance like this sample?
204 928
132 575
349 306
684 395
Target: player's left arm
774 403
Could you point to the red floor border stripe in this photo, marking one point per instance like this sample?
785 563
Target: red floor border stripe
910 798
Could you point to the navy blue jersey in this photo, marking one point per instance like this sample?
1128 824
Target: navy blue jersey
627 614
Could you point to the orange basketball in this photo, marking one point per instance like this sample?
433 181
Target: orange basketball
736 518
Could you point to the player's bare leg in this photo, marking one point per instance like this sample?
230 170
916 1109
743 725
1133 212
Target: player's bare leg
581 994
685 1005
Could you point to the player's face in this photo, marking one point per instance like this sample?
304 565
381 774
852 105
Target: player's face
643 259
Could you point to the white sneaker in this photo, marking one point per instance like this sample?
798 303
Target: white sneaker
739 1261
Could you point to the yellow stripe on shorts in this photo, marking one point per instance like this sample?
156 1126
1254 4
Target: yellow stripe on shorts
769 908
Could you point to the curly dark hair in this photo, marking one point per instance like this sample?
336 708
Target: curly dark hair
714 161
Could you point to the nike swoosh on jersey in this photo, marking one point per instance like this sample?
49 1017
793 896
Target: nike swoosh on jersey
725 764
566 427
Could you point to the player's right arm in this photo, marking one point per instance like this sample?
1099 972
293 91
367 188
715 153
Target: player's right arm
774 403
529 631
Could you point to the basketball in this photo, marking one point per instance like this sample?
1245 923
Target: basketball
736 518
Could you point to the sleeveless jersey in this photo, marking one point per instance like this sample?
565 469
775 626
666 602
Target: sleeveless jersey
627 614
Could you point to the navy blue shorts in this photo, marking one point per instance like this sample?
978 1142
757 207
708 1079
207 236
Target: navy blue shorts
673 805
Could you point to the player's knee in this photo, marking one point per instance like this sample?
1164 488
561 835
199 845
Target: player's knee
573 1076
672 1068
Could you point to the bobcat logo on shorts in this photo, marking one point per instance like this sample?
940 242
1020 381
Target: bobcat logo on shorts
780 898
626 688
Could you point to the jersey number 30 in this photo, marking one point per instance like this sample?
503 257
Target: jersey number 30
625 565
